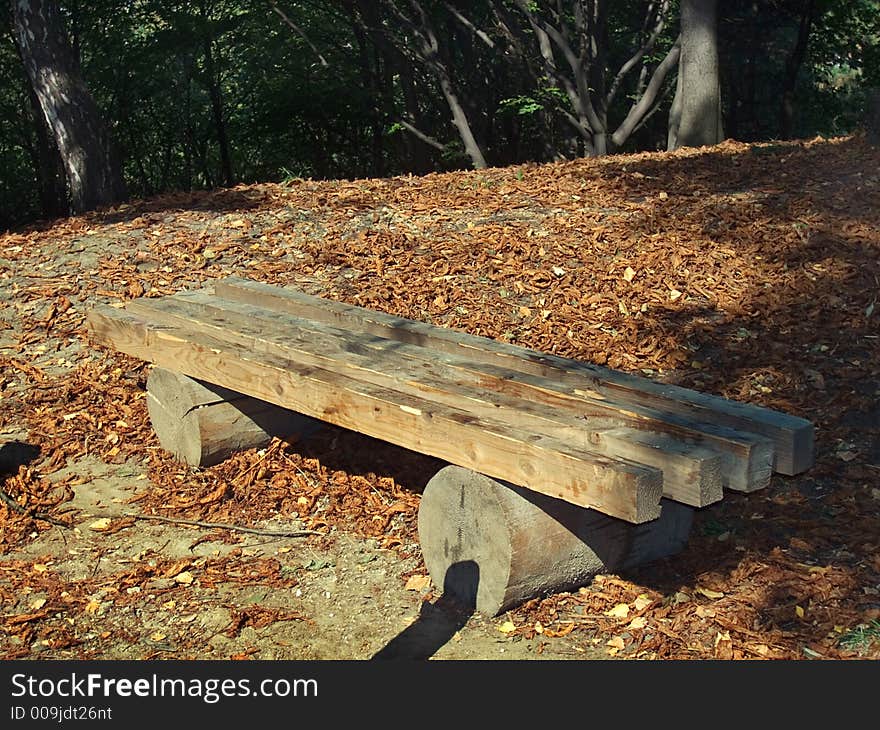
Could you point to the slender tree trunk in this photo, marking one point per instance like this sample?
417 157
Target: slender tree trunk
91 164
792 65
872 116
217 109
695 117
460 120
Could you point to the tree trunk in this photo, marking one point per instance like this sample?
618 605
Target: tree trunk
695 117
91 165
214 93
792 65
48 164
460 120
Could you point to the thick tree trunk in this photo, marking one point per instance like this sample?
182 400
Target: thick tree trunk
92 169
48 165
695 117
494 545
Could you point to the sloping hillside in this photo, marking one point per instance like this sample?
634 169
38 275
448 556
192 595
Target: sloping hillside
750 271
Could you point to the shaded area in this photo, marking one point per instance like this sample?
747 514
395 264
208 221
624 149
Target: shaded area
437 622
14 454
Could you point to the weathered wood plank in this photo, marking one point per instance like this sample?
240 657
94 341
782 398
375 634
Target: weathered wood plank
793 437
616 487
455 380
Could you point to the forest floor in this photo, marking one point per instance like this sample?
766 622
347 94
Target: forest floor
748 271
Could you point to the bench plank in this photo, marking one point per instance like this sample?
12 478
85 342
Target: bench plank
487 389
793 437
614 486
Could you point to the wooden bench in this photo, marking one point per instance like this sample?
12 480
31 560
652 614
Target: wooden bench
558 469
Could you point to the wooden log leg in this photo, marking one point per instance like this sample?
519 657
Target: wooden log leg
202 424
495 545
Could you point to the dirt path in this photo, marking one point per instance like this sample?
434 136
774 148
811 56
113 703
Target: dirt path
156 590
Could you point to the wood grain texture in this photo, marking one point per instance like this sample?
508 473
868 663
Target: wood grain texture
531 401
202 424
617 487
792 437
494 545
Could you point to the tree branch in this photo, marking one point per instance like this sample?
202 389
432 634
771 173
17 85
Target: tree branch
641 107
427 139
469 25
646 48
299 32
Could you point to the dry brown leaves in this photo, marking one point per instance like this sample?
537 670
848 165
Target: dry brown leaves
750 271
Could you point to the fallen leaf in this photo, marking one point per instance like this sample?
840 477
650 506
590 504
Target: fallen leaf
37 604
616 642
642 602
101 524
723 645
639 622
92 606
674 294
507 627
157 636
560 632
629 273
184 578
799 611
710 593
621 610
417 582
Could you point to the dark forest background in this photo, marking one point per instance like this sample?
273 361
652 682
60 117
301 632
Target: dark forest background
211 93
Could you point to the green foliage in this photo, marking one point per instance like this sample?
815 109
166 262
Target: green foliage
521 105
171 75
860 638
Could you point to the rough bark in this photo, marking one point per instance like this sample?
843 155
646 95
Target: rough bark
91 165
48 164
695 116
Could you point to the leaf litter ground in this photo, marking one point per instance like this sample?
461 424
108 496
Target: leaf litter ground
749 271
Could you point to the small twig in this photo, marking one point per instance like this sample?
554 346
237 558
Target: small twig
271 451
33 515
309 480
214 525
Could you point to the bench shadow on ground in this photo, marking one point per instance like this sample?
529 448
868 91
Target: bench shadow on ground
437 622
14 454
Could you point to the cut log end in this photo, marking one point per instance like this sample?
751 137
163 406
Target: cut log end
494 545
202 424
